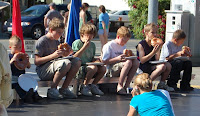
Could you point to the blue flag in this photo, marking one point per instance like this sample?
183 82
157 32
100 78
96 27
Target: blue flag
72 32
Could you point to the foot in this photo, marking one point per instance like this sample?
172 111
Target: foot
28 98
37 97
162 85
187 88
85 90
95 90
67 93
175 87
53 93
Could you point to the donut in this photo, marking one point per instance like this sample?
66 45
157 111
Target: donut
22 61
127 52
156 41
186 50
66 47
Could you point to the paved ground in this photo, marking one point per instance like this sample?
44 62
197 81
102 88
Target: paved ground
185 104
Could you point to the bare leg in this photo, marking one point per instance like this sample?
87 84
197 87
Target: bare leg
91 70
157 72
71 73
103 40
100 73
131 74
59 75
166 73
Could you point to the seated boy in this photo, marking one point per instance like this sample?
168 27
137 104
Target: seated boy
50 69
115 60
146 52
170 51
85 49
15 46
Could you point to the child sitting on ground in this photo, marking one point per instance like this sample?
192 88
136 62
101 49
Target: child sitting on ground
85 49
115 60
170 51
15 46
146 53
50 69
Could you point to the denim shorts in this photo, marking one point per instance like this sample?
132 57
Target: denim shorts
101 31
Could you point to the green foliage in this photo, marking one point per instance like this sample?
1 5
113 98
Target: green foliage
139 14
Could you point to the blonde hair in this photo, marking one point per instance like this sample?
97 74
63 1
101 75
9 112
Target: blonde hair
179 34
143 81
150 26
123 32
56 23
88 29
14 40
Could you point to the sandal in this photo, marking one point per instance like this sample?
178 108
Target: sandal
122 91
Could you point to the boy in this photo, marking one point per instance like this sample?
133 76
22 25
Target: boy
85 49
50 69
115 60
15 46
170 51
146 52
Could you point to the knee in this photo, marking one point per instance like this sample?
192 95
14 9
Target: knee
93 68
135 63
188 63
76 63
129 63
64 67
168 66
162 67
102 69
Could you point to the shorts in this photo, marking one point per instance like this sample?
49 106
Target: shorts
115 70
101 31
47 71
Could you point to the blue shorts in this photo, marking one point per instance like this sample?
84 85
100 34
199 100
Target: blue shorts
101 31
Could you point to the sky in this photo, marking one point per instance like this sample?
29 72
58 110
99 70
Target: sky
109 4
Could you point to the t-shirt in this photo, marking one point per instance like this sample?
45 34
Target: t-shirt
105 18
154 103
112 50
168 49
45 46
88 54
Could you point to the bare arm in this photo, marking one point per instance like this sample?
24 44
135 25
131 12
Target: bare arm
132 112
180 53
144 58
119 58
80 52
45 22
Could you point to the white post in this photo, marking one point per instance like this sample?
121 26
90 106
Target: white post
153 11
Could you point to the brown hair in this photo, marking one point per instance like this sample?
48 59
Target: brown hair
179 34
88 28
84 5
123 32
56 23
102 8
143 81
149 26
14 39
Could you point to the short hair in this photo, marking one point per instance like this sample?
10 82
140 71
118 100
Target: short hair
84 5
56 23
123 32
143 81
102 8
150 26
14 40
53 5
179 34
88 28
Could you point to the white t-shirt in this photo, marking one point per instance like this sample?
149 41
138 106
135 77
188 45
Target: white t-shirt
112 50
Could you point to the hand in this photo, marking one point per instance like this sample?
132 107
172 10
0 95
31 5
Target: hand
180 53
121 57
86 44
135 91
156 48
58 53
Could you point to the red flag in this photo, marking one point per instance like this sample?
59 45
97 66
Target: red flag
16 22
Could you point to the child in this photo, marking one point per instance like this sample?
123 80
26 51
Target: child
146 52
147 102
85 49
170 51
15 46
115 60
50 69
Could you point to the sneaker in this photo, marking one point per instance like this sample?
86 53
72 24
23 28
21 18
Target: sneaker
85 90
187 88
95 90
37 97
162 85
28 98
53 93
175 87
66 93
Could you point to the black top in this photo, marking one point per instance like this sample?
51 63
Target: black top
15 71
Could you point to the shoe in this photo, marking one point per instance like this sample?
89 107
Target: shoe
187 88
85 90
66 93
162 85
53 93
95 90
122 91
175 87
37 97
28 98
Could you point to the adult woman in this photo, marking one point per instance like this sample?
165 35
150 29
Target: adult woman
147 102
83 16
103 25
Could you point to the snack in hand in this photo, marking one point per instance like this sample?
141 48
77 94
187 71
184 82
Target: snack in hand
156 41
128 53
66 47
22 61
186 51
